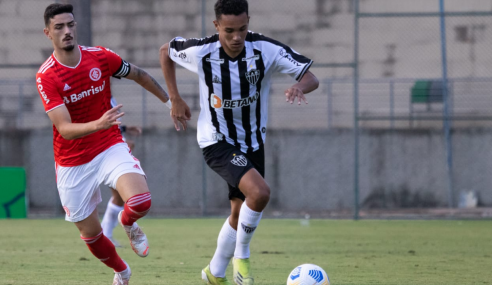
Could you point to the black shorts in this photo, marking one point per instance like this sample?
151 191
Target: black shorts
231 164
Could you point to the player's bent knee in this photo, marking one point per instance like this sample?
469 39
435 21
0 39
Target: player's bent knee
260 195
264 196
140 204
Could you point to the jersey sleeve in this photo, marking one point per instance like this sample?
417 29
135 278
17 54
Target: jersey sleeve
48 92
184 52
288 61
118 67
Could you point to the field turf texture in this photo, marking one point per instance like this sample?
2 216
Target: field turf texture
50 251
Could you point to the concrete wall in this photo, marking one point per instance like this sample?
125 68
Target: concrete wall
321 29
308 171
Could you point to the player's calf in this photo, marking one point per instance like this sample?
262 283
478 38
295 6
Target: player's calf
102 248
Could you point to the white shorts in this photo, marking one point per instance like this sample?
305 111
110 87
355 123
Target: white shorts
78 186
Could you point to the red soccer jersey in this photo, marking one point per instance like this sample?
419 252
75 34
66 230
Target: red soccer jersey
85 91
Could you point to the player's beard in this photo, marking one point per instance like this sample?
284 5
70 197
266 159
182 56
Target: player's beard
69 48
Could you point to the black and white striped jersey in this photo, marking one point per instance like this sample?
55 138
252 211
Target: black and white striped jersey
234 91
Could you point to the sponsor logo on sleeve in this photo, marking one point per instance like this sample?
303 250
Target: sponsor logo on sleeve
183 56
43 94
283 53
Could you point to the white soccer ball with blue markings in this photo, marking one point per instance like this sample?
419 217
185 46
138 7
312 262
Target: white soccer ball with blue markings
308 274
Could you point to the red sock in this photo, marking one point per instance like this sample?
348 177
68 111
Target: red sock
102 248
135 208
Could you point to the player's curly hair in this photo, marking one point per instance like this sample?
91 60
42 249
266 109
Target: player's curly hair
55 9
230 7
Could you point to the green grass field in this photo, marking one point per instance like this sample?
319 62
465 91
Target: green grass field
362 252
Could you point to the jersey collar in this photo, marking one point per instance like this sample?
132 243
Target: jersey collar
72 67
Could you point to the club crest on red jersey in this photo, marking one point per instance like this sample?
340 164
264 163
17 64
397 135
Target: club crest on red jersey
95 74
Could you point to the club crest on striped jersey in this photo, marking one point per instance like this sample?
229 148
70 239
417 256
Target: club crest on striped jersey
252 76
95 74
239 160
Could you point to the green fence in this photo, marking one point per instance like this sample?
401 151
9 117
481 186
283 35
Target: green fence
12 192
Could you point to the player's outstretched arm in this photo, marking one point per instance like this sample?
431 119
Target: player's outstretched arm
148 82
180 110
308 83
70 131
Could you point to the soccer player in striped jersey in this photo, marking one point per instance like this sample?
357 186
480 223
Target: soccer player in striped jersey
74 86
234 68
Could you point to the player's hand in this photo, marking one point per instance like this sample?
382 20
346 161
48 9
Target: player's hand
134 130
294 92
110 118
180 113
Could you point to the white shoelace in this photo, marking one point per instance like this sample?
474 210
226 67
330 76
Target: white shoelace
136 234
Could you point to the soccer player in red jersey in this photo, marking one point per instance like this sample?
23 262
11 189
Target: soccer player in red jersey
74 86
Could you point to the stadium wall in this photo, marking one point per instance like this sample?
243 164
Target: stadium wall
320 29
308 171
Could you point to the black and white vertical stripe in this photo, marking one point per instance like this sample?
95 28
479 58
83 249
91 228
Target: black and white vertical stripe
260 65
207 71
244 81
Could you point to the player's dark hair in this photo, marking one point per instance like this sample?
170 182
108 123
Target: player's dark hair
55 9
230 7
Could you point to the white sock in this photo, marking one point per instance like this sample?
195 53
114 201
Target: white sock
226 244
246 226
110 219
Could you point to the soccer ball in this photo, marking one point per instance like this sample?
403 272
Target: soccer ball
308 274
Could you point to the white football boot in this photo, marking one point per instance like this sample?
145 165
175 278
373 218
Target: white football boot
138 240
123 277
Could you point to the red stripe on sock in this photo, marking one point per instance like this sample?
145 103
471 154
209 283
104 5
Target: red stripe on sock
102 248
135 208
